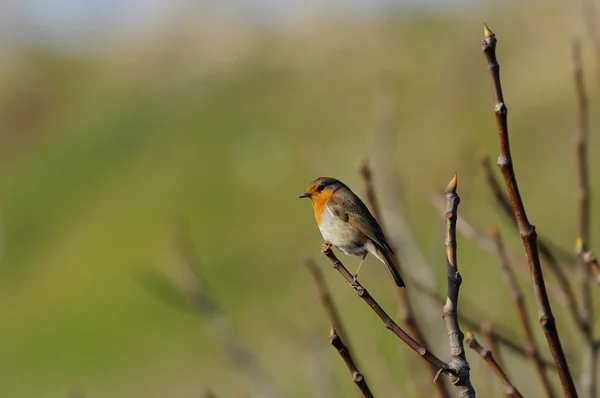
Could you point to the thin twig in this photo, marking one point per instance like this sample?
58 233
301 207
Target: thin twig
589 258
365 174
450 309
327 300
519 300
488 356
589 366
526 230
357 376
406 312
590 21
388 322
473 324
488 332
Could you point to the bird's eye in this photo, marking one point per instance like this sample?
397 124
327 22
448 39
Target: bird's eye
321 187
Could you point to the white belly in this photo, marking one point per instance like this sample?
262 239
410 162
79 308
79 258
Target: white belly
343 235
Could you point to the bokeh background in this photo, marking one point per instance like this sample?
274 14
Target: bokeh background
119 120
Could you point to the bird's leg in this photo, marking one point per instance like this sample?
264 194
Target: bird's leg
359 265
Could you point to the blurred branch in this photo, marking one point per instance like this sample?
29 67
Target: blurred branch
526 230
519 300
504 204
465 228
365 174
589 258
389 323
589 366
406 312
327 300
509 388
391 204
469 231
590 21
450 309
474 324
189 283
488 332
357 377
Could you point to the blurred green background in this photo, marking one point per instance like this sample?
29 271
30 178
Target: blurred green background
220 115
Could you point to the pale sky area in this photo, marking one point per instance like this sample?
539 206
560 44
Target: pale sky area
66 22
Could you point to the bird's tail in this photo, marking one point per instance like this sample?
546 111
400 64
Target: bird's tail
386 258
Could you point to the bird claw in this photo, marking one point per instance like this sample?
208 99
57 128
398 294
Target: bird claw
354 281
325 246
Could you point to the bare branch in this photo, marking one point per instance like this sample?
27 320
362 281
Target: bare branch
519 300
450 309
357 377
388 322
509 388
526 230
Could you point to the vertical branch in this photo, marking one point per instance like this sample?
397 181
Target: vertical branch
344 352
526 230
327 300
532 349
589 366
406 308
509 388
450 310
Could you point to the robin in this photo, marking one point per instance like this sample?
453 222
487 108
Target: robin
346 223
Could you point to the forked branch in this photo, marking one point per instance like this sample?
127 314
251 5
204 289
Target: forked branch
388 322
526 230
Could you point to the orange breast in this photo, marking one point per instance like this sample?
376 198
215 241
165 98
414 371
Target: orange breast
319 201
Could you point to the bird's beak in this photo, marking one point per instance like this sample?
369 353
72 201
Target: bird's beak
305 195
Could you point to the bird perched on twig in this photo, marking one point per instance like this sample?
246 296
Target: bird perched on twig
346 223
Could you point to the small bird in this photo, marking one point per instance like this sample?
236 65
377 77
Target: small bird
347 224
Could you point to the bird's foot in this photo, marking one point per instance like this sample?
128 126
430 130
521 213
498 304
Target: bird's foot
325 246
354 282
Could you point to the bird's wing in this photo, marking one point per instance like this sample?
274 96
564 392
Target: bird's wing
356 214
